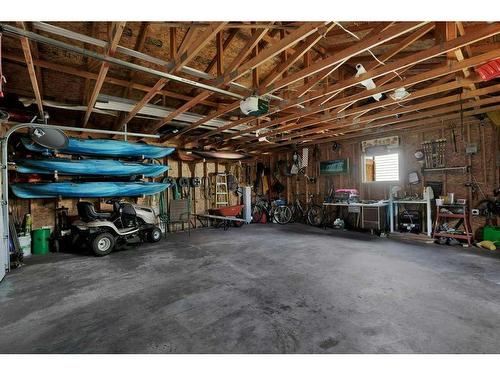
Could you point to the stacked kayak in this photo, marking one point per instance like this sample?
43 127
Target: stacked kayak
87 189
92 167
89 167
105 147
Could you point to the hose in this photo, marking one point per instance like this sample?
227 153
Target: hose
164 218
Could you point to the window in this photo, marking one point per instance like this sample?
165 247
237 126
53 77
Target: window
379 168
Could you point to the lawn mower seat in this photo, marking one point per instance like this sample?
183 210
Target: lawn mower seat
87 212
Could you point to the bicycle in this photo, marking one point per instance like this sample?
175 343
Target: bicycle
276 210
311 214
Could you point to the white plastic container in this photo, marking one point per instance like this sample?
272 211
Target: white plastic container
25 243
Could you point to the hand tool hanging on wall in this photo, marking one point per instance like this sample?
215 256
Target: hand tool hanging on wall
454 138
183 183
434 153
258 175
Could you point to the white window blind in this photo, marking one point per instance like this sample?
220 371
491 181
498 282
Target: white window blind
387 167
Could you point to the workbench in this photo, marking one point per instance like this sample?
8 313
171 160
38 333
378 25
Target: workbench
373 215
394 211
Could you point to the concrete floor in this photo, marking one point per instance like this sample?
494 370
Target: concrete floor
257 289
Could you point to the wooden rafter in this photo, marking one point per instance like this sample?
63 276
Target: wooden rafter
331 135
117 30
437 50
25 44
395 113
431 123
432 90
321 75
309 67
254 40
235 68
132 74
188 50
443 71
386 35
93 76
225 45
308 43
395 31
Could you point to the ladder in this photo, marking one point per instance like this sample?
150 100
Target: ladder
221 192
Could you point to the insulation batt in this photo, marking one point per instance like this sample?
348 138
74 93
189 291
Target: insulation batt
368 83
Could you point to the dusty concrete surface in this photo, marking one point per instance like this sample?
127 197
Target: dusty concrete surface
256 289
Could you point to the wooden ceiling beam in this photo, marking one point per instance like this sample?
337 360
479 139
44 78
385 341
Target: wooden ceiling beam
225 45
397 30
306 45
383 37
358 121
406 82
268 53
117 30
301 91
244 52
404 43
459 54
262 57
25 44
139 45
483 33
188 50
411 117
376 130
93 76
432 90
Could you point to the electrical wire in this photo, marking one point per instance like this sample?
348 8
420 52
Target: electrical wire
358 38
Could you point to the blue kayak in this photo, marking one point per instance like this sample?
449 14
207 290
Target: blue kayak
104 147
87 189
89 167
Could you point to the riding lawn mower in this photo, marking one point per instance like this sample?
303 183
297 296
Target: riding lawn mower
127 223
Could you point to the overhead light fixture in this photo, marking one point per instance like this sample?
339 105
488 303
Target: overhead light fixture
368 83
399 94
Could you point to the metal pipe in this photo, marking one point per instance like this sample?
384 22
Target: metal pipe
4 202
10 30
136 54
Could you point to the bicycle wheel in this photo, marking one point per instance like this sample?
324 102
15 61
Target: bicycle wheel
257 213
283 214
315 215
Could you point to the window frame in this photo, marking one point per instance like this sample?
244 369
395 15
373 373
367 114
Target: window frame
389 151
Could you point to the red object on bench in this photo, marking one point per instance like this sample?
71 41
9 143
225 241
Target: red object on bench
490 70
227 210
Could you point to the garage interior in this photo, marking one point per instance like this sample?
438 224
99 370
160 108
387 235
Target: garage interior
250 187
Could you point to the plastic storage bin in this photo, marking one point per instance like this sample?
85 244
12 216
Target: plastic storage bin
41 241
491 233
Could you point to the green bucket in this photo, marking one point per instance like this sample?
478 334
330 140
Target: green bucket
41 241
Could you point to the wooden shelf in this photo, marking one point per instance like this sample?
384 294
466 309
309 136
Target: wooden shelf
454 216
452 235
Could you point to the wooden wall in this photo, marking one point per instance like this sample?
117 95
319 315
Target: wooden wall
483 164
43 210
484 170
